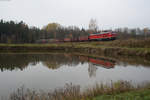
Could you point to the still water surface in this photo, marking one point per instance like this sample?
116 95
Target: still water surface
50 71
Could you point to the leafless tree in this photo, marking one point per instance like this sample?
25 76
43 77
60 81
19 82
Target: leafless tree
93 25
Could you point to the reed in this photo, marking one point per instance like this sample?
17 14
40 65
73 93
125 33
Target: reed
73 92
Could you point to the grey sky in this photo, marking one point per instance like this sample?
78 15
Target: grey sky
109 13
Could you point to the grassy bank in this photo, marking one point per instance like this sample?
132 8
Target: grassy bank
121 90
131 47
143 94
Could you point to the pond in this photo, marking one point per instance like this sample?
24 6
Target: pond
50 71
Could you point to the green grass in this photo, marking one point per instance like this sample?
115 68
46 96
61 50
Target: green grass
131 47
117 43
143 94
130 43
85 45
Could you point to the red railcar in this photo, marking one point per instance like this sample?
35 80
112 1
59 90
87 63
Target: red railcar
75 39
67 39
83 38
103 36
105 63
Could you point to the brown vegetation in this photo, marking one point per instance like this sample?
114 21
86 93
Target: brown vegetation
132 47
72 92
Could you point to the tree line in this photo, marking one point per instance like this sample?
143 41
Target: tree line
17 32
20 32
126 33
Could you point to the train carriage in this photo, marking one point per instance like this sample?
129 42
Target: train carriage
103 36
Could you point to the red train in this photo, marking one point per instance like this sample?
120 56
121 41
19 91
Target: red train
92 37
103 36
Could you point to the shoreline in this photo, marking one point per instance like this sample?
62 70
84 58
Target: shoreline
77 47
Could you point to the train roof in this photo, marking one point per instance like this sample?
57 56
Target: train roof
99 33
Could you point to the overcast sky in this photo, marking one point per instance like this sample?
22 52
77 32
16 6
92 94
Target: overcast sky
109 13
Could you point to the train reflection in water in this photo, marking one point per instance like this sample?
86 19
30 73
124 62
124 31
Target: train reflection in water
94 63
102 62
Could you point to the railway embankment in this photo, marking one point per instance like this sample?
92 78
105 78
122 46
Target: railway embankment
109 48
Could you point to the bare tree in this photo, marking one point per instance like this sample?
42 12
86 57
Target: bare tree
93 25
145 32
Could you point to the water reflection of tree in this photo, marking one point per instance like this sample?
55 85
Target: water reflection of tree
92 70
55 61
51 61
21 61
135 61
11 62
